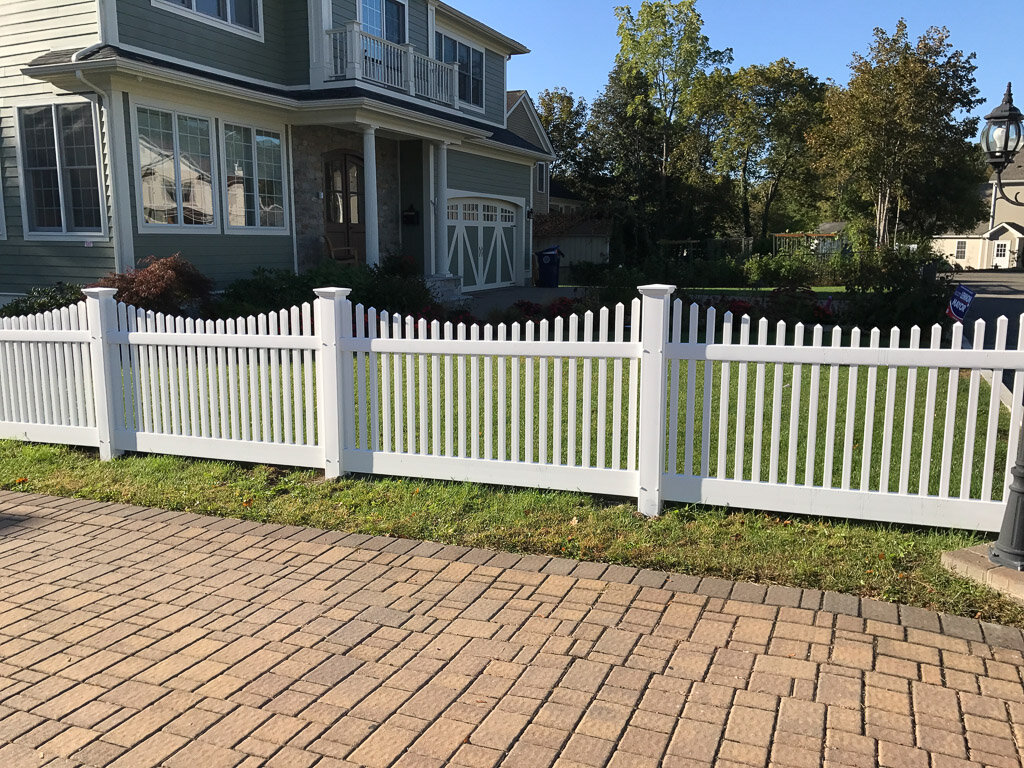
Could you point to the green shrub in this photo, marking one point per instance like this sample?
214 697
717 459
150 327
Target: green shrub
43 300
782 270
895 287
394 286
171 285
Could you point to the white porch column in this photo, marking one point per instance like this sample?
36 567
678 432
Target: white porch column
370 196
441 209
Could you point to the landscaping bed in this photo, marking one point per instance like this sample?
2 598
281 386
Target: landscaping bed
887 562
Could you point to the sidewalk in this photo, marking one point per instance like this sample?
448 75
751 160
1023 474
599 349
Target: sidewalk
135 637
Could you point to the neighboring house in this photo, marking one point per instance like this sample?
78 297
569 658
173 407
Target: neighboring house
242 132
997 242
582 236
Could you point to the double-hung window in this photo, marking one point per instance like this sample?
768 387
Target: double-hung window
542 178
254 175
385 18
175 156
61 173
961 249
239 13
471 67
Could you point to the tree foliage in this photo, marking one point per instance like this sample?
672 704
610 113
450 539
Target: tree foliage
768 112
564 117
897 143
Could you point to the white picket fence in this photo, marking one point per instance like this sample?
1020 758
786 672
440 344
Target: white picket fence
655 401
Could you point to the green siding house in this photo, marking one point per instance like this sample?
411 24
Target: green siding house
262 133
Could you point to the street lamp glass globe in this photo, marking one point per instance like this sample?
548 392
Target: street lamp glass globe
1003 136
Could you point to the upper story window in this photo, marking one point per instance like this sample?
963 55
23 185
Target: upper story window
471 67
60 165
239 13
385 18
175 169
542 178
961 249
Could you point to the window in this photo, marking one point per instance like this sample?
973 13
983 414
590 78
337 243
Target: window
175 169
385 18
1001 250
542 178
471 212
490 213
471 67
961 249
239 13
254 174
61 170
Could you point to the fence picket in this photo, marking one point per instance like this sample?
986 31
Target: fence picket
776 433
602 392
869 416
424 426
488 398
810 474
970 430
890 411
295 360
175 389
795 402
755 458
307 373
556 432
724 397
252 420
676 337
529 431
410 390
929 417
385 389
474 395
634 385
374 374
950 428
588 388
620 322
543 429
1015 412
398 414
994 412
502 363
739 470
435 383
908 415
265 389
516 386
851 414
570 460
691 393
831 415
461 415
709 369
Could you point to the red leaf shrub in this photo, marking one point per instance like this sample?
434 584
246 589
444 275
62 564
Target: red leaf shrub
170 285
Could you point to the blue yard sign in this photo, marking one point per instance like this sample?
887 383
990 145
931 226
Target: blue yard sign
960 303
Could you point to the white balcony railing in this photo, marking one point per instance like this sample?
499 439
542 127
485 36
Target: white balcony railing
358 55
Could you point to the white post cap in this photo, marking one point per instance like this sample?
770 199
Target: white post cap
100 293
332 293
656 291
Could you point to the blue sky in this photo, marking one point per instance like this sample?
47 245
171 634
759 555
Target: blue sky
574 41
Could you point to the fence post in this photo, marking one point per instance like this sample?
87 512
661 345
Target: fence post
651 450
331 384
102 314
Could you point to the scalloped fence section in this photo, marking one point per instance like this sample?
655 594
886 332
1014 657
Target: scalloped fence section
687 406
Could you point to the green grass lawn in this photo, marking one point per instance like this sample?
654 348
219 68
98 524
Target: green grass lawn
886 562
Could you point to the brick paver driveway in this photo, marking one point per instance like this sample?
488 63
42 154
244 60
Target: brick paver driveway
137 637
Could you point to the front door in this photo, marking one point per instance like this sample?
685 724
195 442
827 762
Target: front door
344 205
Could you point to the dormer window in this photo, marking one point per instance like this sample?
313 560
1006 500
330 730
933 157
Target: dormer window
471 67
238 13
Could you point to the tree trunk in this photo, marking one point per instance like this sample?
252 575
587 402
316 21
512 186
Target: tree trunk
769 200
745 195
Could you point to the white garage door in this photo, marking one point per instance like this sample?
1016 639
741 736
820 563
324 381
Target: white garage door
482 242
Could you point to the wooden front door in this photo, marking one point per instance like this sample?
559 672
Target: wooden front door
344 203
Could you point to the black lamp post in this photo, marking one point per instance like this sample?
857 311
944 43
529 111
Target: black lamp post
1001 140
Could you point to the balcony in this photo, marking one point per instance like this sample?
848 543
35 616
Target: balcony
358 55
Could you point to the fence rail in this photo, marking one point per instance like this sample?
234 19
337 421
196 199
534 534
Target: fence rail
655 400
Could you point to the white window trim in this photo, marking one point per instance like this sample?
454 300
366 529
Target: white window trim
140 216
285 176
956 250
212 21
103 234
3 213
482 109
359 17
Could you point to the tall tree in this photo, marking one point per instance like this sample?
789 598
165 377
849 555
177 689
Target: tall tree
664 43
897 140
564 117
769 111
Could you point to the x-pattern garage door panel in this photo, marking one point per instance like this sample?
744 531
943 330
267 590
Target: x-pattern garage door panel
481 242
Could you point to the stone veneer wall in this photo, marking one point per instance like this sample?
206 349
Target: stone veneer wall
309 145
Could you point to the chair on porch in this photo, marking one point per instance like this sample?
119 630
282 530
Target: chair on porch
343 254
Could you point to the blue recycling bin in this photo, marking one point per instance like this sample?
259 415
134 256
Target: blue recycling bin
548 263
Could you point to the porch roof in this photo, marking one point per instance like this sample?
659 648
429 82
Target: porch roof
54 62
